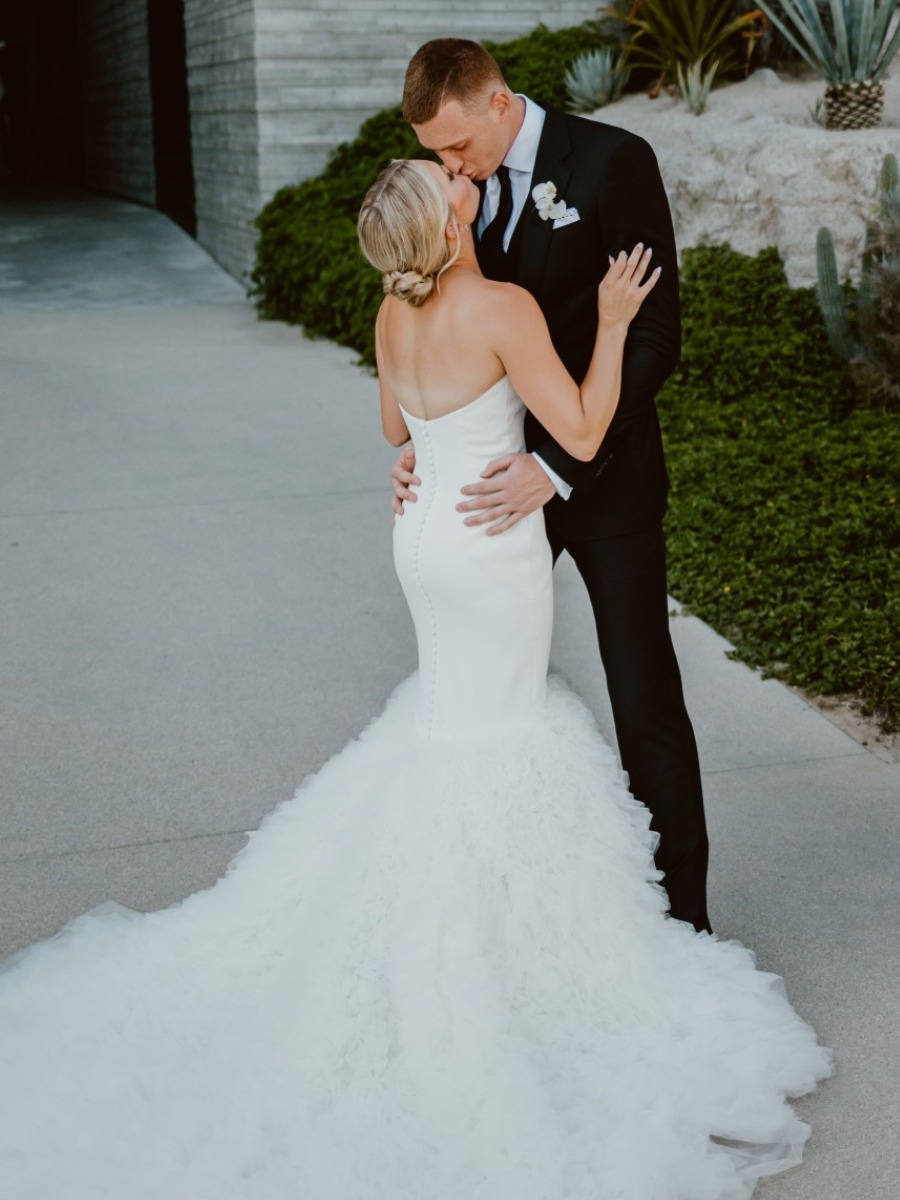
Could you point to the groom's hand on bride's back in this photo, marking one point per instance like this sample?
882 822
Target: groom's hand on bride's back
511 488
404 479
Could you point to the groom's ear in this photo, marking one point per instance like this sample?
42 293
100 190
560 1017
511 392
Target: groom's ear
499 103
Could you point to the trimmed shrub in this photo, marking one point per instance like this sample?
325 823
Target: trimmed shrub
309 269
783 529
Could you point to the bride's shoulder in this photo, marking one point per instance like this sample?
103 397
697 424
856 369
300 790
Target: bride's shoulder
488 297
493 312
509 307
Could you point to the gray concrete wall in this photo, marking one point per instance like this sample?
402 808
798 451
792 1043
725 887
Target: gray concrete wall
323 67
222 82
118 112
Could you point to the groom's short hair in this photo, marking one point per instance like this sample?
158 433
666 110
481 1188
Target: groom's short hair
447 69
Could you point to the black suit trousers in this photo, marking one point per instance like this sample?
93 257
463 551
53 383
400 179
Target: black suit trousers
625 577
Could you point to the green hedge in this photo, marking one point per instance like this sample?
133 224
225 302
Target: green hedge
309 270
784 531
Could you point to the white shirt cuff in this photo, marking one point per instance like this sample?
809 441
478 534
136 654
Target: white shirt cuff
562 488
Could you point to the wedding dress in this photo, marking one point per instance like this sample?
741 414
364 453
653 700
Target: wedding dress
440 972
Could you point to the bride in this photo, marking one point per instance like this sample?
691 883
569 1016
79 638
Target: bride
455 364
461 986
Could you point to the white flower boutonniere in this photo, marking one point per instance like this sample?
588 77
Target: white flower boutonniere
544 197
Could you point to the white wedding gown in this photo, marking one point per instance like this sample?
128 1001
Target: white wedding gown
440 972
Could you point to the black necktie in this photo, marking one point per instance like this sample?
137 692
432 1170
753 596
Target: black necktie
491 254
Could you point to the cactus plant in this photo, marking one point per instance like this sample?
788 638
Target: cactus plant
869 339
889 191
830 295
595 79
853 60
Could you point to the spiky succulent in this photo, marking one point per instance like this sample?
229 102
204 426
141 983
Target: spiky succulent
664 34
694 83
861 47
595 79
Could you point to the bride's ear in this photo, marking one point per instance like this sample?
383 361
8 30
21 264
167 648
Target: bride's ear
451 232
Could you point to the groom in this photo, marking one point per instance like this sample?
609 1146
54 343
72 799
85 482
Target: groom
607 514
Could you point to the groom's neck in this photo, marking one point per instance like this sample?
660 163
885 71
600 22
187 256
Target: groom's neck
517 119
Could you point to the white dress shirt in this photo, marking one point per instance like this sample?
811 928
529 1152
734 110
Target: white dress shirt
520 160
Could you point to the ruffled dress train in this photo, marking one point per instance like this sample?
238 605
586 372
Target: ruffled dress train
442 971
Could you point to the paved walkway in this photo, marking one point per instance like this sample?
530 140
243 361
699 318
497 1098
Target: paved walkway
199 607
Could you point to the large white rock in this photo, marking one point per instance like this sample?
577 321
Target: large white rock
755 169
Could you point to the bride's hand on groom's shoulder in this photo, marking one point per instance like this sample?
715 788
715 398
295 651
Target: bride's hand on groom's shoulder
404 479
626 285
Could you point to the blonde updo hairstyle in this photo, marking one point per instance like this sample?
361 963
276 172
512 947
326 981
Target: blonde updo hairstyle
402 230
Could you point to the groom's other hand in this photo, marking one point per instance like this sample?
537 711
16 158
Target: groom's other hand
511 488
403 479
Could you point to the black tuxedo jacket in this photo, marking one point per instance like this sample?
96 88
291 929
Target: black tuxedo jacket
611 176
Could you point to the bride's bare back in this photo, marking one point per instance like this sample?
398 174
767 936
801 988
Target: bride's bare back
441 356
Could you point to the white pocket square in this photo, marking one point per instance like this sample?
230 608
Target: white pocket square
569 217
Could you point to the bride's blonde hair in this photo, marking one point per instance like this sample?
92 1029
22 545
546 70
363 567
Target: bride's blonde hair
402 230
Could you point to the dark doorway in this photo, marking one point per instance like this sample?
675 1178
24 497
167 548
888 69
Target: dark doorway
173 161
40 93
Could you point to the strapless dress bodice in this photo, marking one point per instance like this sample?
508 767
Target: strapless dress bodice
482 606
463 441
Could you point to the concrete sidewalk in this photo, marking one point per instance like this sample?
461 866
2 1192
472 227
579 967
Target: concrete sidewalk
200 607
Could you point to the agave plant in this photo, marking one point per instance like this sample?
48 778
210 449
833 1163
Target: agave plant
666 34
872 348
853 59
595 79
694 84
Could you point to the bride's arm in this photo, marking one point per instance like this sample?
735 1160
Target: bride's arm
392 421
577 418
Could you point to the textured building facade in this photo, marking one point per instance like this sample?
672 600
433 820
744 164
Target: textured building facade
222 69
117 107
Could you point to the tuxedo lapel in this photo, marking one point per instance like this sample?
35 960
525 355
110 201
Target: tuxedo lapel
552 165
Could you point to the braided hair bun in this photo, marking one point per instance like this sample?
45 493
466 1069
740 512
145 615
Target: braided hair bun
408 285
402 230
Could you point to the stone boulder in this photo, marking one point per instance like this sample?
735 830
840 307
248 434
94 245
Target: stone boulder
756 170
